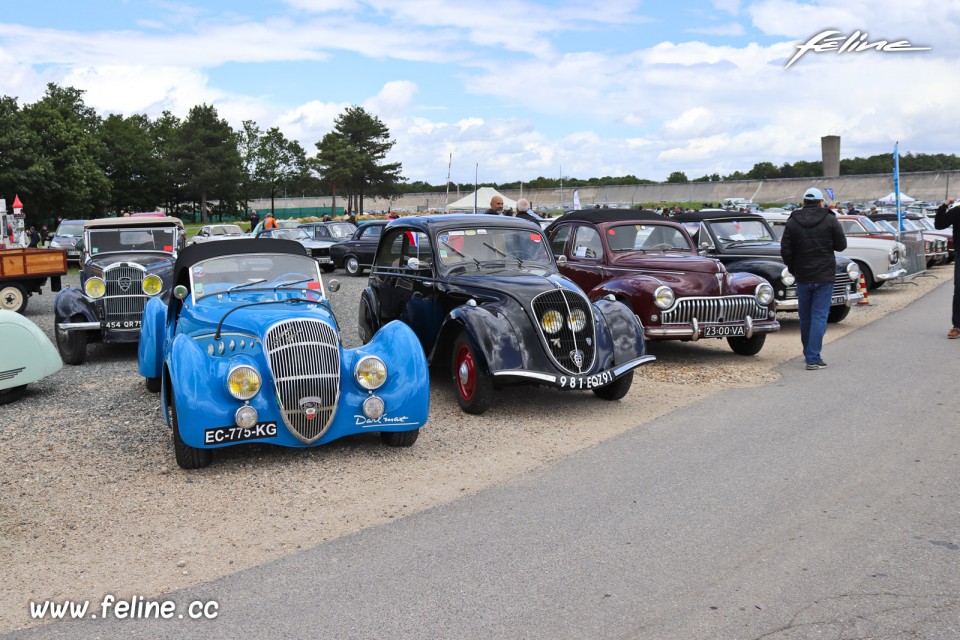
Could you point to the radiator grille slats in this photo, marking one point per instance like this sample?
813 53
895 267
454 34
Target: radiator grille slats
124 299
304 359
714 310
567 346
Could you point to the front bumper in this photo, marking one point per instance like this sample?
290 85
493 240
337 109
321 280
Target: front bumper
890 275
585 381
694 330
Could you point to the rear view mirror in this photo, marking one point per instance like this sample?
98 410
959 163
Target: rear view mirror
561 260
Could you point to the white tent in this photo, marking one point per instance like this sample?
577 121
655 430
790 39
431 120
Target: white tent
891 198
484 194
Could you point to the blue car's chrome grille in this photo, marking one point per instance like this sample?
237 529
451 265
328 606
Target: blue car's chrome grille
124 299
573 351
710 310
304 358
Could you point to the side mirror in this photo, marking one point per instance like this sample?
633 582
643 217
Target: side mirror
180 292
416 264
561 261
333 286
705 246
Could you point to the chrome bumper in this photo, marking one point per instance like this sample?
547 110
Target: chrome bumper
694 331
76 326
896 273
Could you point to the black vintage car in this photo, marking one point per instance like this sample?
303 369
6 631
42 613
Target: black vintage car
745 243
124 262
483 294
356 253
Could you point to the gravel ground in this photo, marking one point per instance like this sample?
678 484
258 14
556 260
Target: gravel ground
92 502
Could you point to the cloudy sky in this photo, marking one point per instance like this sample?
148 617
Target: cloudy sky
516 89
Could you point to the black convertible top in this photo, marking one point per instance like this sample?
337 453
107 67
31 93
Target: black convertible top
195 253
612 215
714 214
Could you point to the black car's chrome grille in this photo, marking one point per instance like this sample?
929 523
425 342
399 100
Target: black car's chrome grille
124 299
304 358
573 351
841 285
710 310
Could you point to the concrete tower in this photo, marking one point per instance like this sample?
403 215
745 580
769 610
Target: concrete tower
830 146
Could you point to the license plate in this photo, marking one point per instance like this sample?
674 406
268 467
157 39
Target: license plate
838 300
122 324
723 331
222 435
601 379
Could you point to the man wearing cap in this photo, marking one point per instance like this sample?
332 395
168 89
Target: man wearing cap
949 215
810 237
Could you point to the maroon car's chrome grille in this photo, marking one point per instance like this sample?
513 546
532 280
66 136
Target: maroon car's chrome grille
709 310
304 359
573 351
124 299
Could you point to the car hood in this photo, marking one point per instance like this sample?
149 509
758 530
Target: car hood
522 285
644 261
71 241
240 316
148 260
754 249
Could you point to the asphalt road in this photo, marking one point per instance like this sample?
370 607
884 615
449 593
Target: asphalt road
826 504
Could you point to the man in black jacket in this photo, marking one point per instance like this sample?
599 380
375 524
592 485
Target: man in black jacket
949 215
810 237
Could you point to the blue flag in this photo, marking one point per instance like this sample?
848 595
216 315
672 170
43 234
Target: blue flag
896 184
829 192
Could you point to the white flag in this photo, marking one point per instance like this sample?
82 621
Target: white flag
576 198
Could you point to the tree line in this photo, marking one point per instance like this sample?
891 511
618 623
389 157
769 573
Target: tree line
64 160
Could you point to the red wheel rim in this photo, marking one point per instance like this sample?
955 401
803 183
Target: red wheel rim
466 373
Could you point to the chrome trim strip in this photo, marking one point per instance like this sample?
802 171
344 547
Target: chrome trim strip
633 364
519 373
79 325
893 274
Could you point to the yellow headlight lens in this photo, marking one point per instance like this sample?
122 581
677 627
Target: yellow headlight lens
370 372
243 382
152 285
664 297
577 320
95 287
552 321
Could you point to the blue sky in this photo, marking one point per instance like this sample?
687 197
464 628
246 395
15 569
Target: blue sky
516 89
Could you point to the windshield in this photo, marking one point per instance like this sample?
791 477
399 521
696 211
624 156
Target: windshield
870 225
287 234
226 230
254 272
132 239
731 231
341 230
646 237
481 247
70 230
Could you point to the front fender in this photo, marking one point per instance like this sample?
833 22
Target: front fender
492 333
744 283
769 270
622 330
71 302
152 330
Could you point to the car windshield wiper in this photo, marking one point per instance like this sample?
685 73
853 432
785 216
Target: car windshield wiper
461 253
246 284
291 283
504 254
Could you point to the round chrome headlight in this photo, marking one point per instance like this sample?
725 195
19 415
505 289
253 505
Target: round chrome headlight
370 372
577 320
787 278
664 297
853 270
243 382
373 408
94 287
246 416
552 321
764 294
152 285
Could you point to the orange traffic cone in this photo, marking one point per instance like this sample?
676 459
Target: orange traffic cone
863 291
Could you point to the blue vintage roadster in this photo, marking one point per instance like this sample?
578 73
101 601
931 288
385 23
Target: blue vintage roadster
247 349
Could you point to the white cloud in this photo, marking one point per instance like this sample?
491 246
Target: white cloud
729 29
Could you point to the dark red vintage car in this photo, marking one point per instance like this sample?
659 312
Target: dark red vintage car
652 265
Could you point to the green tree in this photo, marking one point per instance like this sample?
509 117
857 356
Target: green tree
279 163
130 164
169 184
16 153
764 171
206 157
677 176
337 162
64 177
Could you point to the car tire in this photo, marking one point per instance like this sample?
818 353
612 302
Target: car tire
13 297
838 313
72 345
399 438
868 280
153 384
187 457
11 394
616 389
352 266
473 384
747 346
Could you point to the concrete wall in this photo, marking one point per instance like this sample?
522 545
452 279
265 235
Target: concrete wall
932 185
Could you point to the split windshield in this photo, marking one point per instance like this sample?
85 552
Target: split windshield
162 239
481 248
242 273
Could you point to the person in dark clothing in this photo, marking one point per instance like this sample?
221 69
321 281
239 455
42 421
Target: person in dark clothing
496 206
34 238
948 214
810 237
254 219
